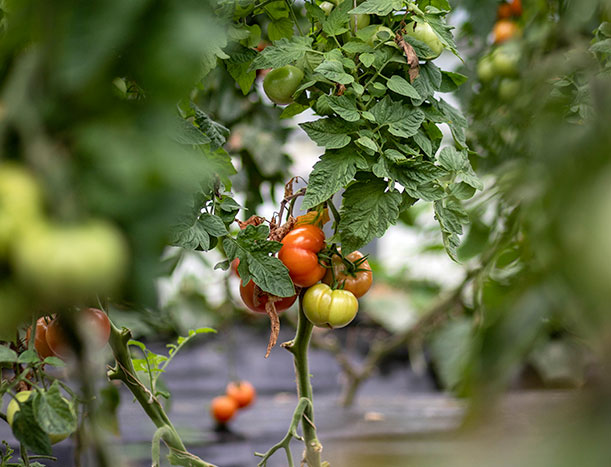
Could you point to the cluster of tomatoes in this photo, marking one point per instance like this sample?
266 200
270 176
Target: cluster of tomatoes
330 304
506 28
238 395
50 339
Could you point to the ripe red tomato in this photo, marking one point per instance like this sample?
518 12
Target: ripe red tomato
504 30
40 340
299 254
94 322
242 392
516 7
356 278
257 302
223 408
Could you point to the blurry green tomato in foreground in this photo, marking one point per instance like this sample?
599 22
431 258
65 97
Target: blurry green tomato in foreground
14 310
20 203
70 262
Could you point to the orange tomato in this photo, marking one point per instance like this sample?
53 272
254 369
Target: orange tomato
40 341
504 11
223 408
504 30
299 254
516 7
242 392
358 280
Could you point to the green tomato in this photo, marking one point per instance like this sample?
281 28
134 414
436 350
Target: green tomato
505 60
13 408
20 203
362 21
509 88
423 32
485 69
329 308
327 7
68 262
280 84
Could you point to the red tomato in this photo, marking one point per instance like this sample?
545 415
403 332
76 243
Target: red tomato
257 303
223 408
94 322
242 392
516 7
504 11
299 254
40 341
356 279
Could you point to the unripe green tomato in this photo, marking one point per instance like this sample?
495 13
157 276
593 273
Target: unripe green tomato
505 60
20 203
509 88
280 84
485 69
362 21
382 37
13 408
329 308
423 32
69 262
327 7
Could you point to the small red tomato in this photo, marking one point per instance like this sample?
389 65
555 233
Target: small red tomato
299 254
504 11
355 278
255 300
516 7
223 408
94 323
242 392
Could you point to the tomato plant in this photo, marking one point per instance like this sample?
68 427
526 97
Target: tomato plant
223 408
243 392
351 273
255 299
281 83
299 254
329 308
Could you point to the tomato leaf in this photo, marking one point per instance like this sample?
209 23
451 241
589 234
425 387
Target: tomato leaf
345 107
197 231
328 133
254 251
27 430
451 217
334 70
7 355
377 7
283 52
401 86
53 413
368 209
333 171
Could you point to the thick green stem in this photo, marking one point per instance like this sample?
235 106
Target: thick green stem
299 349
125 372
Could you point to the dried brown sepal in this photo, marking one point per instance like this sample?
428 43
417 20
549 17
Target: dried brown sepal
341 89
270 309
252 220
410 56
277 233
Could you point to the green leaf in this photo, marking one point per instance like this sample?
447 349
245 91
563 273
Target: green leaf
334 71
367 59
216 132
336 23
451 217
427 82
328 132
377 7
238 66
368 209
27 430
187 133
450 348
279 29
452 160
456 121
54 413
602 47
439 25
401 86
254 251
367 143
333 171
408 126
451 81
29 357
7 355
283 52
293 109
196 232
345 107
